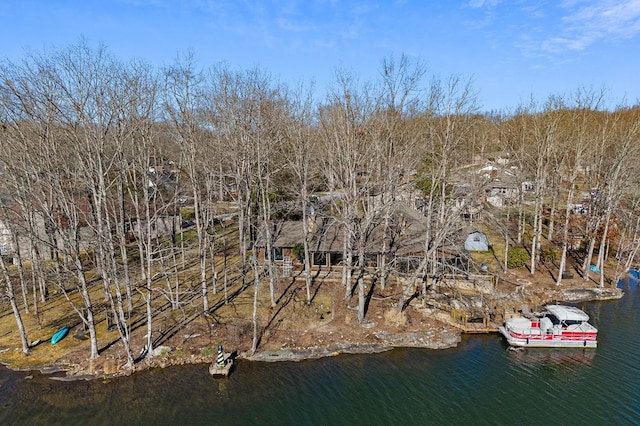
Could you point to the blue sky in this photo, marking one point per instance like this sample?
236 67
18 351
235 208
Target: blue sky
512 49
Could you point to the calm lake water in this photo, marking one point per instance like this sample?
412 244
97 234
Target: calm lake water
480 382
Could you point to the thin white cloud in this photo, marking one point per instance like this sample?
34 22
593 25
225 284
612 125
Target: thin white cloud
588 22
482 3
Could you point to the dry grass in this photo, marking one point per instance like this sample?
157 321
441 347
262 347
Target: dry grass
395 318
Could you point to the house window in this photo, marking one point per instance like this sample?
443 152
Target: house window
336 258
277 253
319 259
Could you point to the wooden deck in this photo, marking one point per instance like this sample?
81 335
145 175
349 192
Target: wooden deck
214 370
471 327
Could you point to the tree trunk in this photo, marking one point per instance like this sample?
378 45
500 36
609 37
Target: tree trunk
14 307
254 314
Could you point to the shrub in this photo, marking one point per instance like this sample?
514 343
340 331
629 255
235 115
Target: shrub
548 255
188 213
517 257
298 252
209 351
179 353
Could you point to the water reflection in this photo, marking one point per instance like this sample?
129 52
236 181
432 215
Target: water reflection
557 357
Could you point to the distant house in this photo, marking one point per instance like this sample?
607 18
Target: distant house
504 188
8 248
468 202
476 241
471 212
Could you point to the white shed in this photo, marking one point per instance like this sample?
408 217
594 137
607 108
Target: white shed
476 241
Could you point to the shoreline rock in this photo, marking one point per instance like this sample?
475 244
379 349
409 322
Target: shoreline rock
591 294
315 353
445 339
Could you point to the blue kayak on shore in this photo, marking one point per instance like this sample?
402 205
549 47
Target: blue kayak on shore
59 335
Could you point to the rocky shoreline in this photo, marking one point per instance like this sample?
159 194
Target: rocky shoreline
442 338
431 340
448 337
590 294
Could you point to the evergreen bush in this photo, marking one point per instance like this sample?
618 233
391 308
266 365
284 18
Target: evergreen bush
298 251
517 257
548 255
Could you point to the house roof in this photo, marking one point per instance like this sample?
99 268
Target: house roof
287 234
503 178
327 235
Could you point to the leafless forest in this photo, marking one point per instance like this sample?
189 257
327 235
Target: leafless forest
107 167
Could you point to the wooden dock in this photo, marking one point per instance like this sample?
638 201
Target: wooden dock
478 328
215 369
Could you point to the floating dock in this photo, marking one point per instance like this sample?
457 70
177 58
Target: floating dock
222 365
224 370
